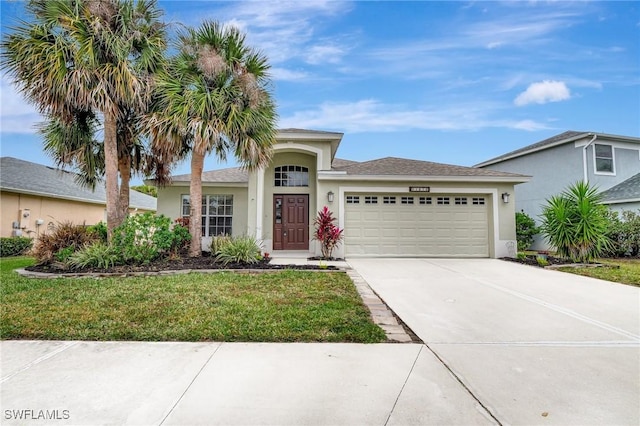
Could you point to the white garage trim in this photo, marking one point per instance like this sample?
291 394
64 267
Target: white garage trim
433 190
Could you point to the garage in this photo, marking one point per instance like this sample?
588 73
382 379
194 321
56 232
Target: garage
435 225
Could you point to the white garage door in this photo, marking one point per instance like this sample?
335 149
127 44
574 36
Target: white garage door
442 225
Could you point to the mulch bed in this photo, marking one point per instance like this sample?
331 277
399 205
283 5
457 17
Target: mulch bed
193 263
533 261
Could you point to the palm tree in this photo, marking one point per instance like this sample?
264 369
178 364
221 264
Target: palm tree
213 98
92 57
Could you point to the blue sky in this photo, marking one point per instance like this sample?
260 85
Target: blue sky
452 82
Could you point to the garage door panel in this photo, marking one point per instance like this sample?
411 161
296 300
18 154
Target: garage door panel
417 229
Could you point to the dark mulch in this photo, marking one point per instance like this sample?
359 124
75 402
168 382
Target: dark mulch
533 261
204 262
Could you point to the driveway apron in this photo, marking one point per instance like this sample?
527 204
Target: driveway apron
534 346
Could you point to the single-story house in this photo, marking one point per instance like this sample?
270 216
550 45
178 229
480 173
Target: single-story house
610 162
387 207
34 198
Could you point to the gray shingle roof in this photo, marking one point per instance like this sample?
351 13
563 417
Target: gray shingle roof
341 163
24 176
626 190
405 167
307 131
230 175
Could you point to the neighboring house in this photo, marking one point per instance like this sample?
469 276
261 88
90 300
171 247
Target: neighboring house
34 198
610 162
387 207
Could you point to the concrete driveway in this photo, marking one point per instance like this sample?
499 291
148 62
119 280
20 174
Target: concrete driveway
533 346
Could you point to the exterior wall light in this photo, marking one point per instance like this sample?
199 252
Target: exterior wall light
505 197
330 196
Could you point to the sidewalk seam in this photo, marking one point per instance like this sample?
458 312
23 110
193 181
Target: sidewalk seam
453 373
39 360
190 384
415 361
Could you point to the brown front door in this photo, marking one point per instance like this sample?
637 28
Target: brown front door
291 222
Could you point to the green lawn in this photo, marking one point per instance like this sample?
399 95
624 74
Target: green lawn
290 306
627 272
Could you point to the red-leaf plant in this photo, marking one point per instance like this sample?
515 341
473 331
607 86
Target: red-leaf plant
327 232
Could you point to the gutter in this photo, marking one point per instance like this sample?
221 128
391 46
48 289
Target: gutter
584 157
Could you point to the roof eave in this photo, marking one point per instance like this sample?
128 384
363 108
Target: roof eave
424 178
627 200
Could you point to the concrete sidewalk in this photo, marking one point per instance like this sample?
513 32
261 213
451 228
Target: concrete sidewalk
51 382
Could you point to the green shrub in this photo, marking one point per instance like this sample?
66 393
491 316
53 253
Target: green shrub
521 256
14 246
144 237
181 238
99 230
624 233
542 261
219 242
525 230
243 249
575 223
65 239
96 255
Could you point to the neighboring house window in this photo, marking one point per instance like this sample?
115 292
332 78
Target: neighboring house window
604 158
217 214
291 176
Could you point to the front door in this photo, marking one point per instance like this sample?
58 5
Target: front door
291 222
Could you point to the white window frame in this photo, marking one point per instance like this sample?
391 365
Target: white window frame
613 160
206 214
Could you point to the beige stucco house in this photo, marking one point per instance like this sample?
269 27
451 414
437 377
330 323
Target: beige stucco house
387 207
34 198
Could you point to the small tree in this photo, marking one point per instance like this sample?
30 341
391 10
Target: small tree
327 232
525 230
575 222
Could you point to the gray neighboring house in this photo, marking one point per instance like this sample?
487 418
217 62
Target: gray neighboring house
34 198
610 162
387 207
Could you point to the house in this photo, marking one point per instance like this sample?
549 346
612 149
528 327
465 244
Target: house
387 207
34 198
610 162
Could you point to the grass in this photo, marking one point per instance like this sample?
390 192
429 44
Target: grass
289 306
625 271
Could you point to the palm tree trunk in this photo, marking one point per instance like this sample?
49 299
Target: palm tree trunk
195 195
111 172
125 177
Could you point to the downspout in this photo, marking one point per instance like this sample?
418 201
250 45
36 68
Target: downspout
584 158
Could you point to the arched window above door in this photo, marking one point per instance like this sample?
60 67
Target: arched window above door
291 176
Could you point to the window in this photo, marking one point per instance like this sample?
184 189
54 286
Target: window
371 200
353 199
406 200
291 176
388 200
604 158
443 200
425 200
461 201
478 201
217 214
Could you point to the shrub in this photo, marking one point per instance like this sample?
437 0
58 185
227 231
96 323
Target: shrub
575 223
525 230
542 261
99 230
243 249
327 233
624 233
521 256
14 246
96 255
218 243
65 239
144 237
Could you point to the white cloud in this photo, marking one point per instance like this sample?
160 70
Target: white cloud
320 54
16 115
283 74
370 115
544 92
